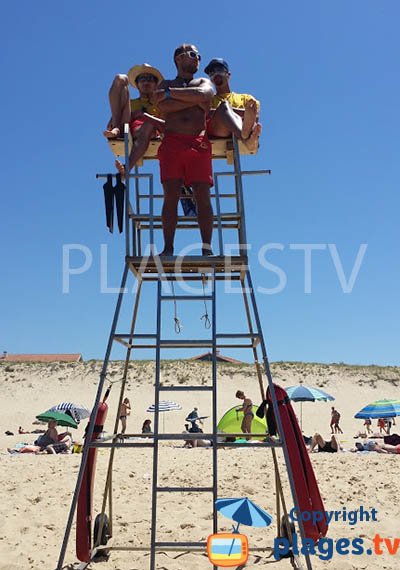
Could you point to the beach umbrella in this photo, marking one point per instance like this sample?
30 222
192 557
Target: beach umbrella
164 406
302 393
76 411
243 511
380 409
60 417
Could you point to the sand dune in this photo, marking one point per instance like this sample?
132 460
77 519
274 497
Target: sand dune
36 490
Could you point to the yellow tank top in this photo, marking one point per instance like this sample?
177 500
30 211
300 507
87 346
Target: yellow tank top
235 100
143 104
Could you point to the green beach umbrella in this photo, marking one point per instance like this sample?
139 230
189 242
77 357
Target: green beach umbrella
59 417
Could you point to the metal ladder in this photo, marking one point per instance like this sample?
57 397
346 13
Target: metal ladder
156 489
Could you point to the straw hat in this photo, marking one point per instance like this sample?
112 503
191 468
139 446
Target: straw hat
137 70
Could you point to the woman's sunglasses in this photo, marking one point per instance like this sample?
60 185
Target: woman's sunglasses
147 78
192 54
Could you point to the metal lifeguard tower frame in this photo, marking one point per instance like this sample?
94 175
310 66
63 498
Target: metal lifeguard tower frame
145 265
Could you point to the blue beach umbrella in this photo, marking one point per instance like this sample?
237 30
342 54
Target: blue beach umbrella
380 409
243 511
302 393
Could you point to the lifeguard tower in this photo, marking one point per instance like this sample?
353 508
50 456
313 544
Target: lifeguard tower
142 263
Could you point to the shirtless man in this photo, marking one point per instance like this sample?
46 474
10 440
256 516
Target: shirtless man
140 113
185 152
247 409
232 113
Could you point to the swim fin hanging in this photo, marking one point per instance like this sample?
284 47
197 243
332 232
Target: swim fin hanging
109 202
114 194
119 194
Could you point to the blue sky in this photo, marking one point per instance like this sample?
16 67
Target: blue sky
326 74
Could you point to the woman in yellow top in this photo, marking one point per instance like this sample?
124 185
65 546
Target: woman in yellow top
232 113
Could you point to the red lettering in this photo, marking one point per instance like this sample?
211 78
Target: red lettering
392 547
377 540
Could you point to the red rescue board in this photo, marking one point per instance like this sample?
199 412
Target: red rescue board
305 483
84 514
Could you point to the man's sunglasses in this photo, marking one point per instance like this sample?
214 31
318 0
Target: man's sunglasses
217 71
192 54
146 78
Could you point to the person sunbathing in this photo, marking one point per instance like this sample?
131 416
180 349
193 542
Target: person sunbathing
377 447
332 446
62 446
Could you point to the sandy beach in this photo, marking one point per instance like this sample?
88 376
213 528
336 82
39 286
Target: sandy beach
37 490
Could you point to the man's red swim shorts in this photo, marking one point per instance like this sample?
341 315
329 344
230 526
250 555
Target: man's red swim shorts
185 157
135 124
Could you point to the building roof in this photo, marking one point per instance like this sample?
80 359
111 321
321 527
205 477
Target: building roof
220 358
5 357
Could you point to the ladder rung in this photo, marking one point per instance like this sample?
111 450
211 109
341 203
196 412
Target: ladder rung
188 343
238 335
134 336
186 489
112 444
185 388
187 544
250 444
186 298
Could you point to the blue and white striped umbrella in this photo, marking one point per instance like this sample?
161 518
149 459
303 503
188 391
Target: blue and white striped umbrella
380 409
76 411
243 511
303 393
164 406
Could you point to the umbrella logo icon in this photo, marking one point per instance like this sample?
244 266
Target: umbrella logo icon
231 549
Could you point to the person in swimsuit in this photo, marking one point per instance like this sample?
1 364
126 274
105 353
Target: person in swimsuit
140 113
377 447
247 409
368 424
185 152
335 419
48 438
332 446
381 425
124 413
231 113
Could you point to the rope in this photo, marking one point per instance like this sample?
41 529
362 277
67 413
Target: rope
177 323
207 322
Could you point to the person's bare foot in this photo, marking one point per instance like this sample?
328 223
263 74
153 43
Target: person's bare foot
112 133
121 168
252 142
249 118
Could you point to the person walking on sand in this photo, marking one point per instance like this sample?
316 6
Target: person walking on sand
247 409
124 412
367 425
335 419
382 425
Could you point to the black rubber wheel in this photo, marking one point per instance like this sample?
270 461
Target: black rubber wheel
283 531
105 534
